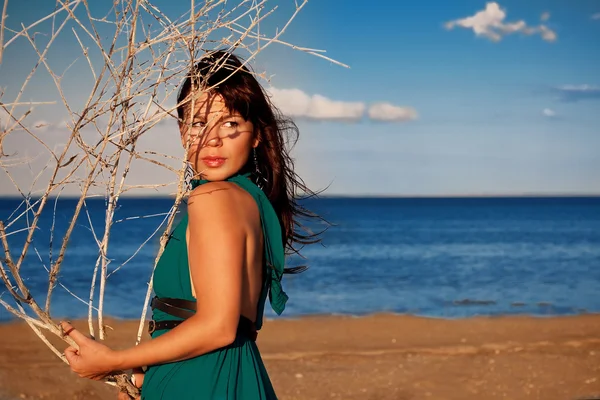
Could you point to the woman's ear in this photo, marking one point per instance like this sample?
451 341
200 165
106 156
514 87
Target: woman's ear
256 140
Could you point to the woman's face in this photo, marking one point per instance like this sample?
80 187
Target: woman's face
219 140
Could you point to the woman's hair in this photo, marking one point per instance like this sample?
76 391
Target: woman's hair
223 73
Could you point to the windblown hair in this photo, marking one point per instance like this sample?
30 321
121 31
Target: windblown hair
223 73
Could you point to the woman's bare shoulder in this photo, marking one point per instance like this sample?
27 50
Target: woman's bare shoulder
221 188
221 201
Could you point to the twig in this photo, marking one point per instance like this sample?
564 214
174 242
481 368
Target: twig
30 103
75 2
2 22
131 93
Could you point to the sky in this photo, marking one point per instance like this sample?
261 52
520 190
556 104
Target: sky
439 98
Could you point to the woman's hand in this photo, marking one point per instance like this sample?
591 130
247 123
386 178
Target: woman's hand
93 360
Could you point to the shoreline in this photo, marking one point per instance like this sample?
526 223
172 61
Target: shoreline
379 356
299 317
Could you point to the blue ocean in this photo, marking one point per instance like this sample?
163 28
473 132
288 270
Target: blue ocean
436 257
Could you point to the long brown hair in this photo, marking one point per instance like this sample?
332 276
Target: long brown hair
223 73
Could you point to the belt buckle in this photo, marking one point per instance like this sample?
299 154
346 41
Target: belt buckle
151 326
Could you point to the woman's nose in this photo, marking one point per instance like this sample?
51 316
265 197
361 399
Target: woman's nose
215 141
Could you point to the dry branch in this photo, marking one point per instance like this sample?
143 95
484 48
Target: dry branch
136 55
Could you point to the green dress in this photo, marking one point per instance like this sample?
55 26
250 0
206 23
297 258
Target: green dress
234 372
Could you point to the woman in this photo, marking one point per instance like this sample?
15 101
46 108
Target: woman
225 256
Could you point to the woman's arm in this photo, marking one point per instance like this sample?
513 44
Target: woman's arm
217 253
217 250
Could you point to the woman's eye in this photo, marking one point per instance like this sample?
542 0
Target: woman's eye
198 124
230 124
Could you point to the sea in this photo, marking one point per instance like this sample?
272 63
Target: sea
434 257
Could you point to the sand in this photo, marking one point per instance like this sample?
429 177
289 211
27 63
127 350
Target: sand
374 357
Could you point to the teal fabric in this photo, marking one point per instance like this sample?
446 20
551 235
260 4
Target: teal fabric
234 372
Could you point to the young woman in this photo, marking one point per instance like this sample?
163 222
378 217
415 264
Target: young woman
226 256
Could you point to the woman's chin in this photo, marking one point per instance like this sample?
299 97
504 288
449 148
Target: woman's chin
215 174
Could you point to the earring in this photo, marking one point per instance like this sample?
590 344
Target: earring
260 179
188 175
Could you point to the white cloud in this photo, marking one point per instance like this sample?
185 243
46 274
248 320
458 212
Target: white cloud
296 103
490 23
545 16
323 108
391 113
547 34
572 93
580 88
548 112
596 16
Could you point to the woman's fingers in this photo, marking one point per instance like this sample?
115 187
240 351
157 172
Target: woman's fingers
73 333
71 354
138 376
138 379
92 360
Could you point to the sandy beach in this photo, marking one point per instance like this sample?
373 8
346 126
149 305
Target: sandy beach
375 357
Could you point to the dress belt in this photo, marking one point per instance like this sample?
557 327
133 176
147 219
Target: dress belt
184 309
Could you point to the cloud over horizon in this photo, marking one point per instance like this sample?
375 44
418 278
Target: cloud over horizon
490 24
391 113
297 103
573 93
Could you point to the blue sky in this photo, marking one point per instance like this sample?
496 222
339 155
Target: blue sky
514 109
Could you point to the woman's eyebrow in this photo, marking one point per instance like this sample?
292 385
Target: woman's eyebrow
231 115
203 114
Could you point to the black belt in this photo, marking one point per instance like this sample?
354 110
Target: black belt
185 309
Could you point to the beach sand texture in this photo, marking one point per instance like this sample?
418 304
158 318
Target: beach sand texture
374 357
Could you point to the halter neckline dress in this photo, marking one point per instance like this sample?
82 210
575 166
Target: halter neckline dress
234 372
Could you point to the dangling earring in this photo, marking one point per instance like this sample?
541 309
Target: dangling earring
260 179
188 175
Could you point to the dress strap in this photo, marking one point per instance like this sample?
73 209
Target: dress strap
273 243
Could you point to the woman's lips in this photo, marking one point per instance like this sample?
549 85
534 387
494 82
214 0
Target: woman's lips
213 162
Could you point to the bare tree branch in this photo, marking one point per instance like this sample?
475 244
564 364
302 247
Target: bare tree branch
136 55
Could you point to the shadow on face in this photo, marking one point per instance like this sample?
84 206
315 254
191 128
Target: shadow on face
218 140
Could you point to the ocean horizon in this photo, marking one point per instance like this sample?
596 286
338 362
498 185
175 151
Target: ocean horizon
440 257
